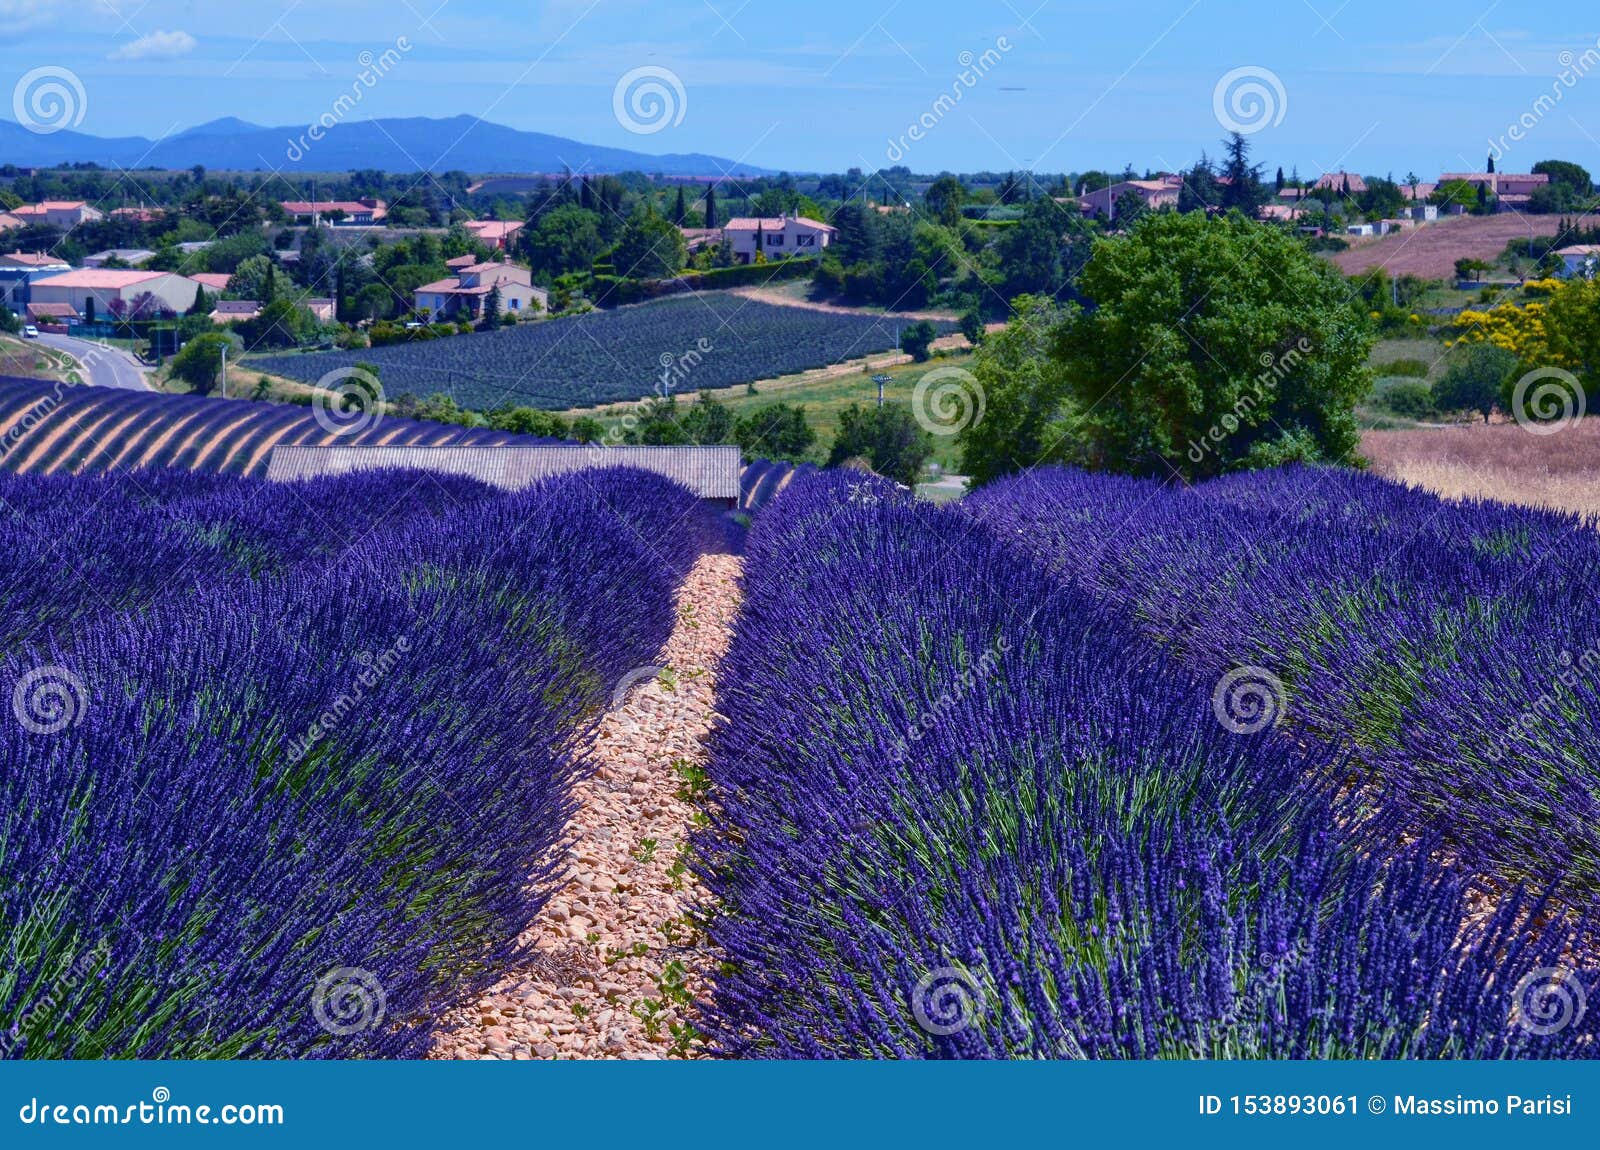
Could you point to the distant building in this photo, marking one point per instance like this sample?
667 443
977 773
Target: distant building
18 270
1512 190
235 310
133 257
214 282
710 472
95 293
9 222
58 213
140 215
1580 260
322 310
337 213
1152 194
695 239
1341 183
464 296
781 236
496 233
52 313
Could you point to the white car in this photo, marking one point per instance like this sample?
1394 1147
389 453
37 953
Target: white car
30 332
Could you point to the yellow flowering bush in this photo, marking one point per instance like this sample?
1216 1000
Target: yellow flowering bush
1519 328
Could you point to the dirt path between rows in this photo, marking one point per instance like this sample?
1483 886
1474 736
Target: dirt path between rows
781 299
617 959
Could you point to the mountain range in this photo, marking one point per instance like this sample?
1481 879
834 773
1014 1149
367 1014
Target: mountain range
408 144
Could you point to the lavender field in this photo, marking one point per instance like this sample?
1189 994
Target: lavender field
1296 764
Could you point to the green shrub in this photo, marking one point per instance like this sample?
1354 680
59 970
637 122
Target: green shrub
1412 367
1412 399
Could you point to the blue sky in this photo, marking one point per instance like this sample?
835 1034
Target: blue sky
828 84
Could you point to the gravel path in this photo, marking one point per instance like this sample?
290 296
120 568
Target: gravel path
617 959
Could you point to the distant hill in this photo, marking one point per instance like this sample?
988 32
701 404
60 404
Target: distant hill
411 144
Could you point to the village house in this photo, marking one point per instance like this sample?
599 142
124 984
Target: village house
57 213
1153 194
496 233
464 295
18 270
696 239
97 292
337 213
1512 190
1342 183
780 236
9 222
235 310
140 215
1580 260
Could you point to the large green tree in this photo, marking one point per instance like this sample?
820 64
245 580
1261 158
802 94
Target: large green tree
1475 378
1213 344
1026 411
565 240
887 437
649 248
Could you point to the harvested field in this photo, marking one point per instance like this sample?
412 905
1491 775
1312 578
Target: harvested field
1503 461
1432 251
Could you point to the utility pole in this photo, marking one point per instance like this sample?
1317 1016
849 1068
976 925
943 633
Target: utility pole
880 380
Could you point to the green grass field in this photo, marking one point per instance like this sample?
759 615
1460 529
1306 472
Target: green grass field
825 399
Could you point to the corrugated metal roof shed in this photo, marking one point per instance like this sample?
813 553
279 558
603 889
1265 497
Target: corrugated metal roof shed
710 472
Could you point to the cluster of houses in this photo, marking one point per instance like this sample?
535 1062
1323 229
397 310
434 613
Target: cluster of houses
53 295
1510 191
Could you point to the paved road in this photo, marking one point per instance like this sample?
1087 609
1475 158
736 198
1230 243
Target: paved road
108 366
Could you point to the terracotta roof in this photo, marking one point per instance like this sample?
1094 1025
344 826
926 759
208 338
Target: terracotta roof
709 472
33 260
322 207
212 281
97 278
44 206
492 229
460 261
771 223
1579 250
51 311
1336 181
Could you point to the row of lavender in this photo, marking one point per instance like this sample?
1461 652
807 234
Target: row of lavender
1455 646
280 758
965 808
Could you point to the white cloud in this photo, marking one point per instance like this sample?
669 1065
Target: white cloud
156 46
